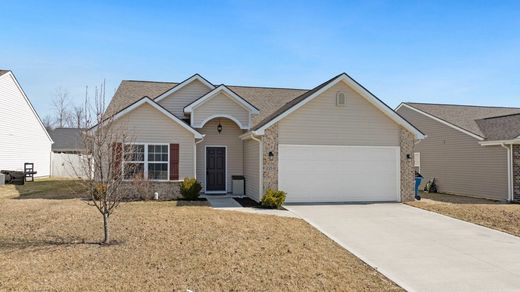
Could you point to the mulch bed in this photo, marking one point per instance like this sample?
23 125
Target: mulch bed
250 203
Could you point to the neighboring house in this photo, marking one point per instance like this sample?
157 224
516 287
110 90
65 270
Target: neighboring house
67 140
23 137
67 153
469 150
334 143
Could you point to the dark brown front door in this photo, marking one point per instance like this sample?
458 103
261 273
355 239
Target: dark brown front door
215 169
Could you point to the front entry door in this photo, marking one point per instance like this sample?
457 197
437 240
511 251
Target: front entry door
215 169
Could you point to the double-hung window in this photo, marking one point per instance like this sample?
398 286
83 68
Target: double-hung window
149 161
133 161
158 162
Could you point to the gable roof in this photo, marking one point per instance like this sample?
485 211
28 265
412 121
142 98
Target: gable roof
129 91
343 77
221 88
147 100
266 99
463 117
67 139
6 73
184 83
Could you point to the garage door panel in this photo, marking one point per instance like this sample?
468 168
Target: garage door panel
315 173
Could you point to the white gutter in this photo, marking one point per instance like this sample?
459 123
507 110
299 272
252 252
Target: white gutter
195 156
509 172
499 142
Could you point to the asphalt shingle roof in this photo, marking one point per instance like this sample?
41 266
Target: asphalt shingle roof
2 72
475 119
501 127
67 139
266 99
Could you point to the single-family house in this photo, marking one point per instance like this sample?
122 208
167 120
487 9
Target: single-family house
23 137
469 150
336 142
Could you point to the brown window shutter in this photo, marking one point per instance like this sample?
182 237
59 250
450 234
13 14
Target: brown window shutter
174 161
117 152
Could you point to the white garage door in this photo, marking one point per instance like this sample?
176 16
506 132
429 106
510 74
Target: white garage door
315 173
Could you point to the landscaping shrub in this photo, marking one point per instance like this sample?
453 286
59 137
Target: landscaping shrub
190 188
273 199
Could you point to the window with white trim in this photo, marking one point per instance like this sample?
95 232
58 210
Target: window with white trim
158 162
133 161
149 161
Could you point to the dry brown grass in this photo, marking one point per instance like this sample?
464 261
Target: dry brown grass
46 245
496 215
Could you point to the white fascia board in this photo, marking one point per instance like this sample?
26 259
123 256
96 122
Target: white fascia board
359 89
147 100
499 142
184 83
222 88
441 121
13 78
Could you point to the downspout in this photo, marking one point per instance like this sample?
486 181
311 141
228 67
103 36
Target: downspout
509 174
261 163
195 156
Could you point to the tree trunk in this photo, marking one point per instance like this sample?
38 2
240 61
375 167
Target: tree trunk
106 240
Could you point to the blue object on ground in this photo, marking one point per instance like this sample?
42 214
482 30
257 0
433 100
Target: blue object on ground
418 180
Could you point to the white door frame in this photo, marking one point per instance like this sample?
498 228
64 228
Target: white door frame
225 171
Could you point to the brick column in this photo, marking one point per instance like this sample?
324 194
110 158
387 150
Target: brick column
516 173
270 144
407 140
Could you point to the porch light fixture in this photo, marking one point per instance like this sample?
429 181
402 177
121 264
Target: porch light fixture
271 155
219 127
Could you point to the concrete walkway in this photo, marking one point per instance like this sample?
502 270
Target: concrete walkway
229 204
421 250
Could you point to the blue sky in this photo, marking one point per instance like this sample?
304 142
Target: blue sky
440 51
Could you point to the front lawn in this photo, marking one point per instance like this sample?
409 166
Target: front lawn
49 244
496 215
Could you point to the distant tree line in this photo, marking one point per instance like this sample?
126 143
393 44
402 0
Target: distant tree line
69 114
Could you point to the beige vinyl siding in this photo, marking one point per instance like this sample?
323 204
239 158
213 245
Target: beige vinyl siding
146 124
252 168
22 137
459 164
220 104
228 137
321 122
176 101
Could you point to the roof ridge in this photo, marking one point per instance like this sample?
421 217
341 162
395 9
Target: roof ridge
245 86
268 87
466 105
500 116
148 81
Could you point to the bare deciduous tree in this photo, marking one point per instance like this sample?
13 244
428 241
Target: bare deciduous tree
48 122
61 105
105 143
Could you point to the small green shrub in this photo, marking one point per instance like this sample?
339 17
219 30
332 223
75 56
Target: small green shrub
273 199
190 189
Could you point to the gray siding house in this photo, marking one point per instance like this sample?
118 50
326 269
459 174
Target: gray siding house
334 143
469 150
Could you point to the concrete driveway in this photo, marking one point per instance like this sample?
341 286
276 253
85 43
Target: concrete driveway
421 250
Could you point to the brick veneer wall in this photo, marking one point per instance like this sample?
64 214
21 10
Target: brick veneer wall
270 171
407 141
516 173
167 190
